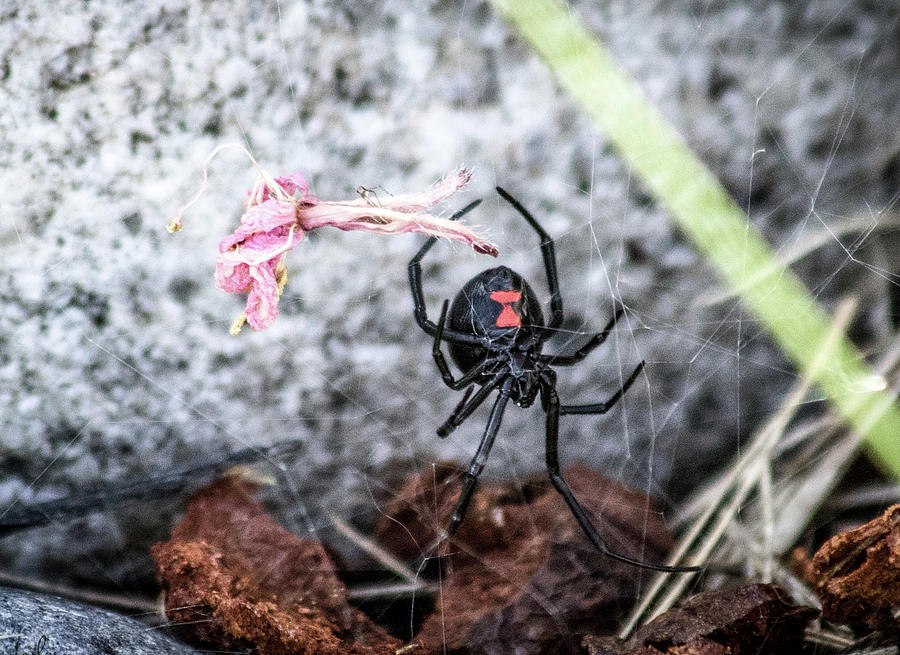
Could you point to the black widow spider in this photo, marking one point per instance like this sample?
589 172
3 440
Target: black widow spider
495 335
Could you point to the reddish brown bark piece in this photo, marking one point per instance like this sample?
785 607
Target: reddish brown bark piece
858 574
234 579
756 618
522 577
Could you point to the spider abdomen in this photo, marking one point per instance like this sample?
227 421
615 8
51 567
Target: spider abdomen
499 304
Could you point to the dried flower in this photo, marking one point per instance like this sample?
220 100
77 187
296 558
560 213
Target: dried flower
280 211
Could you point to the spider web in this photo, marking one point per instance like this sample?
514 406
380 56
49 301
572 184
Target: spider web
114 355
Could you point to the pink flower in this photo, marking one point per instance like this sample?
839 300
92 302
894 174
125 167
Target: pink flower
280 211
251 259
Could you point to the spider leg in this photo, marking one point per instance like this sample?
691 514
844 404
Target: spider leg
464 409
548 389
549 255
602 408
453 419
414 269
476 466
581 353
441 361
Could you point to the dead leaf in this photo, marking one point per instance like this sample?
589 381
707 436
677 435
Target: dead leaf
857 574
522 577
756 618
235 579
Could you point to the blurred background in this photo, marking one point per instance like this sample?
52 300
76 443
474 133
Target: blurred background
115 357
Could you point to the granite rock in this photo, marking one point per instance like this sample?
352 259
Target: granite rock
37 624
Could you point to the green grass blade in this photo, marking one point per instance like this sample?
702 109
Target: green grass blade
711 219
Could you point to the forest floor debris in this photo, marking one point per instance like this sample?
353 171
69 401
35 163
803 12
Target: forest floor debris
520 576
235 579
754 618
857 574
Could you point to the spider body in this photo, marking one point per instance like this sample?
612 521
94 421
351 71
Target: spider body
496 333
500 306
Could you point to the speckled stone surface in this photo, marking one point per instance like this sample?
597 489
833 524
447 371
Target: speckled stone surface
114 354
36 624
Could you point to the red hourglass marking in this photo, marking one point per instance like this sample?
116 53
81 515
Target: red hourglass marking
508 316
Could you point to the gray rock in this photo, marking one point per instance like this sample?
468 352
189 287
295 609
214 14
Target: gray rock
115 361
36 624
